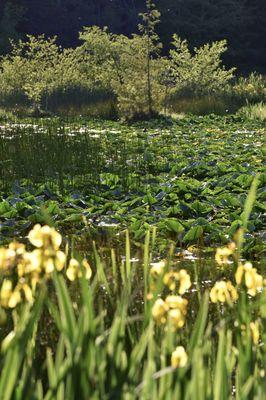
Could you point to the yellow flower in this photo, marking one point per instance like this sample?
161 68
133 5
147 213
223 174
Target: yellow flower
253 280
5 293
179 357
222 254
29 262
34 259
170 279
10 298
159 311
157 268
255 333
177 302
45 236
176 318
48 264
60 259
46 260
7 259
182 277
74 270
15 298
27 292
232 291
185 282
19 248
223 292
87 268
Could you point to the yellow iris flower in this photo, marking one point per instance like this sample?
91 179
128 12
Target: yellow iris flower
74 269
177 302
159 311
223 292
176 318
222 255
171 279
157 269
247 274
45 236
255 332
179 357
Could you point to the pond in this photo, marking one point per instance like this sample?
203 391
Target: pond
146 209
188 178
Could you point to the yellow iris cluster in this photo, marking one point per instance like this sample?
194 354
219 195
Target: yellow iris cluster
248 275
223 253
180 279
173 310
172 279
223 292
23 270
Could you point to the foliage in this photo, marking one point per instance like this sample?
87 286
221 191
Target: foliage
127 67
150 19
111 73
252 88
38 67
255 111
96 178
201 72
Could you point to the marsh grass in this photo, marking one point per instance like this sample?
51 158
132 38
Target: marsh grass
255 111
204 105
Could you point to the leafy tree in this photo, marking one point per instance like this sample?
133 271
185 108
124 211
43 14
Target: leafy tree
38 67
120 64
200 71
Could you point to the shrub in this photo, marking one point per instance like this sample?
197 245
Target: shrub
200 72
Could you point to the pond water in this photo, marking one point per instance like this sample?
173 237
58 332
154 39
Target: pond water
93 179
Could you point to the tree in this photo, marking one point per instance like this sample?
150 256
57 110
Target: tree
38 67
150 19
120 63
200 71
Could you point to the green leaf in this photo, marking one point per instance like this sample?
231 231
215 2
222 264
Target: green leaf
193 234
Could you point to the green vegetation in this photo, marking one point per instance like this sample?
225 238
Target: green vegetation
112 75
189 178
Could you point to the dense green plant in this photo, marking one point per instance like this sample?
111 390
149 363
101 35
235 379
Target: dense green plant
254 111
199 72
122 73
129 66
251 89
38 67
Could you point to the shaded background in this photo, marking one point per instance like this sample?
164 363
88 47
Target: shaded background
241 22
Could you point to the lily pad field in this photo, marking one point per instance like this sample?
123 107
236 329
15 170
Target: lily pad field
132 259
